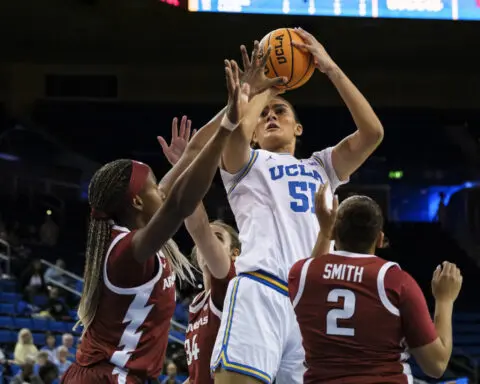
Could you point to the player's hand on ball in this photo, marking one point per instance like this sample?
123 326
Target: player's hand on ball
254 70
238 94
323 61
326 216
180 138
446 282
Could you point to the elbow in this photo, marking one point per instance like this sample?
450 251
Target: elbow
437 369
376 134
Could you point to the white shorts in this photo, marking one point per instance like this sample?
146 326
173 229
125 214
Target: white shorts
259 334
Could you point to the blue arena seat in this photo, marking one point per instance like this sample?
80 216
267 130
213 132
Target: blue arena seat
15 369
6 322
10 297
40 300
40 324
472 350
7 285
7 337
57 326
466 328
23 322
8 309
73 314
39 339
466 339
466 317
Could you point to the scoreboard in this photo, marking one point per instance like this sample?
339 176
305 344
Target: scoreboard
404 9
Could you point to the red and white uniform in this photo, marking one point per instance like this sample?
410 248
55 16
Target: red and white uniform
203 324
357 314
127 341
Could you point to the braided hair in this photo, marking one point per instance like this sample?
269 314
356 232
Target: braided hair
106 195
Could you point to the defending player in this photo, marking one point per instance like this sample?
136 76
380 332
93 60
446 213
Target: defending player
358 312
271 194
216 247
129 294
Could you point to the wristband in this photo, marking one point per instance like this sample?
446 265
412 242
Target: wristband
227 124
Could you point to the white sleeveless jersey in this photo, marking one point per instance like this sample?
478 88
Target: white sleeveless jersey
272 199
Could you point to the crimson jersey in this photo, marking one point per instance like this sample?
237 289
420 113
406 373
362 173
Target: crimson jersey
203 324
131 325
357 314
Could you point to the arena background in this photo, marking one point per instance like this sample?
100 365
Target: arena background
84 82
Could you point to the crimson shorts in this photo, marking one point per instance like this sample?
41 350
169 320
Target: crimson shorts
100 373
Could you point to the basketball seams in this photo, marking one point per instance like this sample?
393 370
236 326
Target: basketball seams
305 77
270 57
292 57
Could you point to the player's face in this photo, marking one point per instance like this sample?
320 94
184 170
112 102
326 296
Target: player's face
226 241
223 236
276 126
151 198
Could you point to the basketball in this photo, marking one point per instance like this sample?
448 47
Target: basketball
285 59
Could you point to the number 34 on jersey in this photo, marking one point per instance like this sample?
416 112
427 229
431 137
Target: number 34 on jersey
192 350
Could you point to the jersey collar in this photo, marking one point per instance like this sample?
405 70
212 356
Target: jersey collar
351 254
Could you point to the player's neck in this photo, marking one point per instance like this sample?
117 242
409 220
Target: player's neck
367 252
289 148
132 223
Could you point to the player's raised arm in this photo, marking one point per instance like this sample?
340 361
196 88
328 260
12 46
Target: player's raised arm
212 249
326 218
172 151
197 224
237 150
351 152
190 188
430 343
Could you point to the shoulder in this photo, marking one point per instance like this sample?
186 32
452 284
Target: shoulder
323 157
120 241
323 160
297 278
296 269
231 180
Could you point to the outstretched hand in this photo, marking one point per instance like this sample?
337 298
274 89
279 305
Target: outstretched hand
254 70
238 94
180 138
326 216
322 59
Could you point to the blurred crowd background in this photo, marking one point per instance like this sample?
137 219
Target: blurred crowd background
85 82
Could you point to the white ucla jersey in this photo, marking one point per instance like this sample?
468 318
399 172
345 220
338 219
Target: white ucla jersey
272 199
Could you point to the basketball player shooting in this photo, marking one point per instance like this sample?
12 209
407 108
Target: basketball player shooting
271 194
360 315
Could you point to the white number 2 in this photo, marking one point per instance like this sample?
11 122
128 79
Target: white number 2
340 313
192 351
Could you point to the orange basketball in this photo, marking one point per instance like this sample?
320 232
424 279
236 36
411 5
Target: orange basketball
285 59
